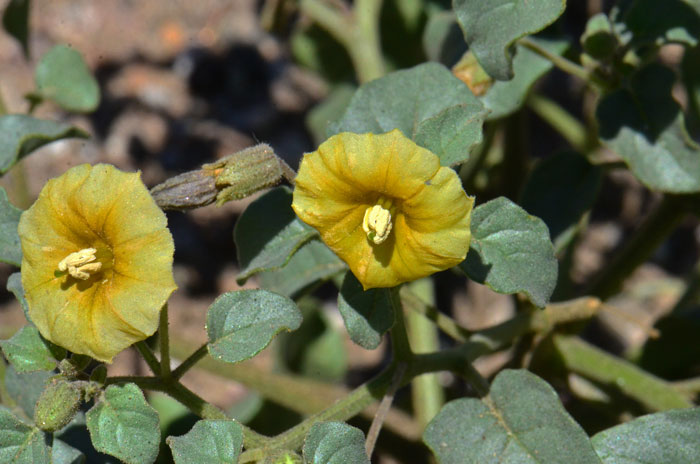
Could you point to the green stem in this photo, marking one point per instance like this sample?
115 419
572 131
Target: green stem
357 31
148 356
565 65
191 360
426 392
3 106
562 121
445 323
656 227
163 332
591 362
367 52
399 337
689 387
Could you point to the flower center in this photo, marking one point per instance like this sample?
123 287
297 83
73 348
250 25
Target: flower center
377 222
81 264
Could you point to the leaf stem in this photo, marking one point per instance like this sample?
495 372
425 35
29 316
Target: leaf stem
565 65
191 360
591 362
400 345
164 334
148 356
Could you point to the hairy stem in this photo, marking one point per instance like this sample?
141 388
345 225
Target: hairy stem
164 334
148 356
565 65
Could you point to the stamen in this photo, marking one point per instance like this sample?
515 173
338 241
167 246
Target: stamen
377 223
80 264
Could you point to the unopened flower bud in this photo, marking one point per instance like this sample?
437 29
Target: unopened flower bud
57 405
231 178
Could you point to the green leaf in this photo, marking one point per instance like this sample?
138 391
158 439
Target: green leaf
21 135
335 443
442 39
669 437
366 314
314 261
491 28
28 351
520 421
599 39
10 249
26 388
240 324
645 126
15 20
268 233
427 103
209 441
328 111
511 251
63 453
14 284
21 443
63 77
505 97
561 189
650 21
122 424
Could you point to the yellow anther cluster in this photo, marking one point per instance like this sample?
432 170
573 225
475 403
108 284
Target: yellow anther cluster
377 224
81 264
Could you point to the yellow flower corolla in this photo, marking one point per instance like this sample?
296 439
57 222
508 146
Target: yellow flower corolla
97 261
385 206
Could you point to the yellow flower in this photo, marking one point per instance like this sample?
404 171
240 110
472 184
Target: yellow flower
97 261
385 206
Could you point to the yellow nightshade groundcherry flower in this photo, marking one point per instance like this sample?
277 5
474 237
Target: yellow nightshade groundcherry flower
97 261
385 206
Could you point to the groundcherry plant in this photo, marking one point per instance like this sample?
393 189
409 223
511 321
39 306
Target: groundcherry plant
426 181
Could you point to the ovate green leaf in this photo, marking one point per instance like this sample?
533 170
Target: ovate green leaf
20 135
240 324
122 424
367 314
63 453
511 251
28 351
14 284
645 126
10 249
209 441
650 21
335 443
268 233
25 388
670 437
491 27
63 77
313 262
21 443
427 103
521 421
